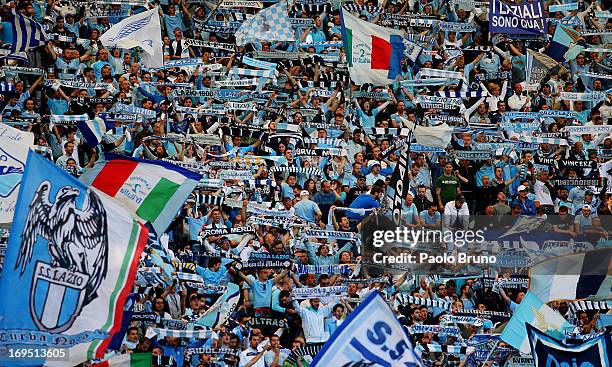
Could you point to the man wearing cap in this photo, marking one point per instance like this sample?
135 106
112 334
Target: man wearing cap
308 209
375 175
527 205
589 200
456 213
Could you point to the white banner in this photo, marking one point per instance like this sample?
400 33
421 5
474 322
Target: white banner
13 156
16 135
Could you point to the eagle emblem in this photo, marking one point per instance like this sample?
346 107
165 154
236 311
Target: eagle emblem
77 240
130 28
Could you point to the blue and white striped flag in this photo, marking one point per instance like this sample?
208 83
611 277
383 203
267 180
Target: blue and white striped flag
27 34
94 130
271 24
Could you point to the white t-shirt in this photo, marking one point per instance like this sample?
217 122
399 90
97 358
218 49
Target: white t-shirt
247 355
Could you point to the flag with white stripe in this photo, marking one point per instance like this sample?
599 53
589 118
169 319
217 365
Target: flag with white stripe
94 130
27 34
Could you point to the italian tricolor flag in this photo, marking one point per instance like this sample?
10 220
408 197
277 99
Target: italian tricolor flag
128 360
154 190
374 53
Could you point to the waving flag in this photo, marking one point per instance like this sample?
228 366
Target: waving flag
141 30
13 157
154 190
220 311
70 263
27 34
548 351
374 53
576 276
532 311
566 44
379 340
540 65
271 24
94 130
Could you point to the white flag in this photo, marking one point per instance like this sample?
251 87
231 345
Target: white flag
361 337
438 136
13 156
141 30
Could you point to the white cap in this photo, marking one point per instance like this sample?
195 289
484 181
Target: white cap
522 188
304 193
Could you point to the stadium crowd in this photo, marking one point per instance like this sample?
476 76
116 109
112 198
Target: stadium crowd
303 148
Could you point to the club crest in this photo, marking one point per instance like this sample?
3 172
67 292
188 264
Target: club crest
77 242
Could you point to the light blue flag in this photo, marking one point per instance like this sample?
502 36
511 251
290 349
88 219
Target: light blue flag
371 333
271 24
220 311
533 311
194 227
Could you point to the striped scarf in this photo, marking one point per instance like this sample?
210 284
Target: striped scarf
311 171
256 209
6 87
404 300
189 277
322 269
450 349
315 8
388 131
248 132
324 141
436 329
439 73
468 94
485 313
162 333
355 8
252 72
69 119
590 305
537 140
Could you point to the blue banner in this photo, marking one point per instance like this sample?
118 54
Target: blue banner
548 351
527 18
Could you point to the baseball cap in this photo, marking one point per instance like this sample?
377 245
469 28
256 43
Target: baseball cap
460 197
304 193
586 207
373 163
522 188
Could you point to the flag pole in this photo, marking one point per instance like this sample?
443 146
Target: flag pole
490 353
212 12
